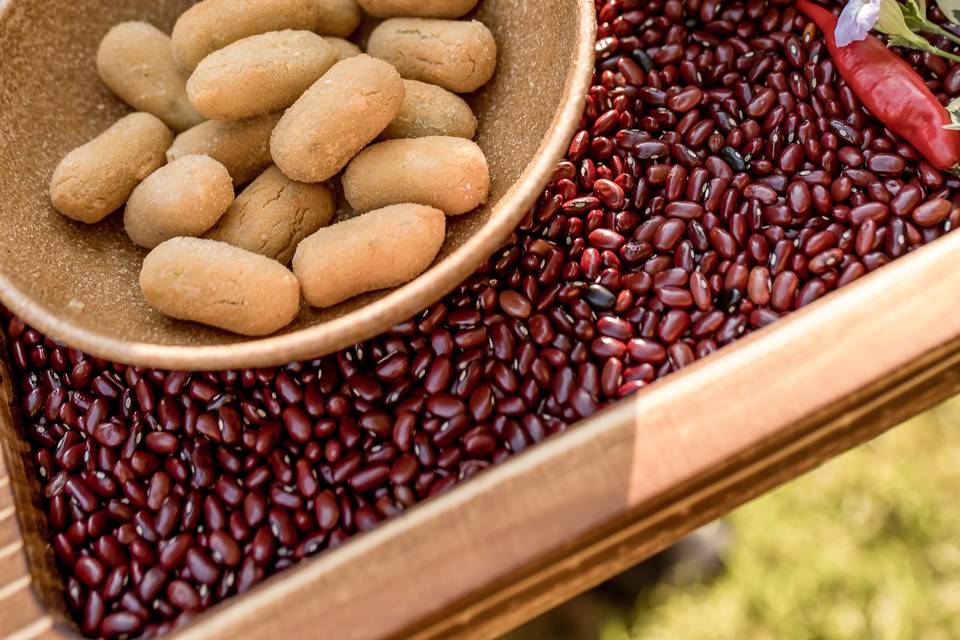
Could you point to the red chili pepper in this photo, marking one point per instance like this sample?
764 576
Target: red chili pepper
891 90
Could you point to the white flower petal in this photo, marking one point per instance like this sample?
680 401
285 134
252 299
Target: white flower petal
856 20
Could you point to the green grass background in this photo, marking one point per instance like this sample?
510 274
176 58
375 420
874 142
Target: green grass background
865 547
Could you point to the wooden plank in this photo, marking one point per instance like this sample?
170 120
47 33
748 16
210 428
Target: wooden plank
13 563
6 503
21 615
9 533
40 629
30 586
19 604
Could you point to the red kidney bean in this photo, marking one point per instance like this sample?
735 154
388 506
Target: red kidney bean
811 291
784 291
825 260
761 192
791 158
799 197
182 595
610 193
515 305
676 182
758 286
876 211
886 163
649 150
224 549
906 200
684 210
685 100
850 156
120 624
668 235
723 242
762 103
93 612
932 212
90 571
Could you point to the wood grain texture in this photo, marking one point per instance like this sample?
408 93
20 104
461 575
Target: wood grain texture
30 585
587 504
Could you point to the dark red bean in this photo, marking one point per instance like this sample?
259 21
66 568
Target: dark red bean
685 100
811 291
111 551
799 197
906 200
614 328
120 624
669 234
761 192
109 434
93 613
327 510
758 286
762 103
685 210
675 297
650 150
224 549
932 212
297 423
153 581
89 571
370 478
182 595
610 193
886 163
791 158
162 443
784 291
202 568
673 325
605 347
876 211
723 242
606 239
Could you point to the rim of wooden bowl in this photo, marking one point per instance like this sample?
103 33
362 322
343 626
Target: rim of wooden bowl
371 319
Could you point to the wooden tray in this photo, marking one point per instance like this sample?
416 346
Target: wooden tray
584 505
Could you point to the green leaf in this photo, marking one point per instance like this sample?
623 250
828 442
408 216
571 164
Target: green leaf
892 22
915 14
950 9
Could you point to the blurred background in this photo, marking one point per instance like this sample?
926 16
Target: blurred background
866 546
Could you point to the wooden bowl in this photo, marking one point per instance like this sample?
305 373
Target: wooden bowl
78 283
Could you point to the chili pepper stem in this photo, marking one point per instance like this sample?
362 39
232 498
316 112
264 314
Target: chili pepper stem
945 54
931 27
929 48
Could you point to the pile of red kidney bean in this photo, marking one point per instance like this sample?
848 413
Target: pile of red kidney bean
723 175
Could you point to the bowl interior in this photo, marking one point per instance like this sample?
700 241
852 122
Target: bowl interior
78 283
